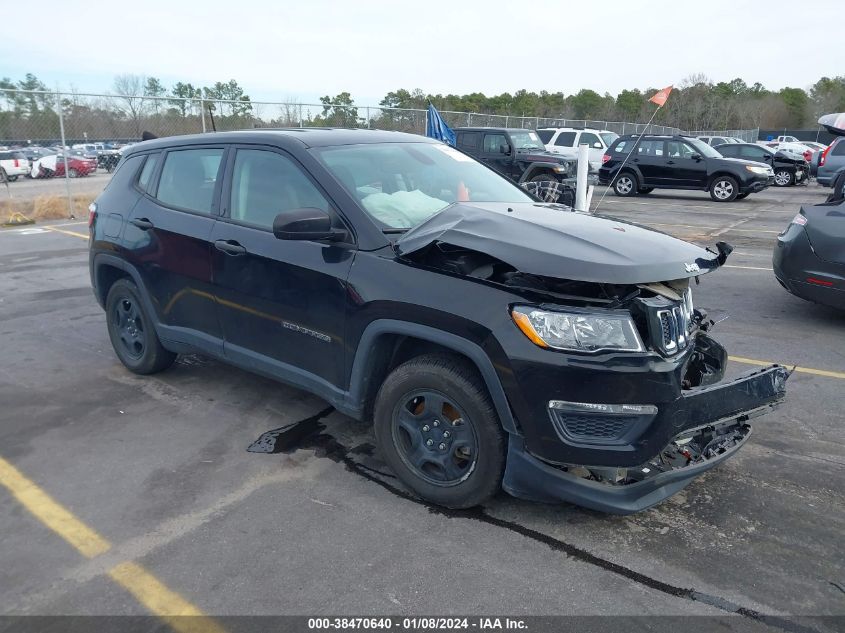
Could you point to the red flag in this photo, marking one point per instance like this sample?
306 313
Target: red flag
660 96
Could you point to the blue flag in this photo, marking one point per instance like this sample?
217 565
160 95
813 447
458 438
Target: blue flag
436 127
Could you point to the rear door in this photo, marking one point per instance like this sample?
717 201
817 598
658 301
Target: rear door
282 303
564 143
168 240
649 159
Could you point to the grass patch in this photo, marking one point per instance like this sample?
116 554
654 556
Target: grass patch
45 207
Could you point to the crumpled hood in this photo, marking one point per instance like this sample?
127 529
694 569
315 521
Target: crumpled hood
549 241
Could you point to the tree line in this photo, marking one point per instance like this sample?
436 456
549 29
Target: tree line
29 110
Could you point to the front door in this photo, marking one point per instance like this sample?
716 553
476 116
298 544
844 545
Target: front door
682 170
282 303
492 154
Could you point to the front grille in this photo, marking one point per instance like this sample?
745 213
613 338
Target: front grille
674 324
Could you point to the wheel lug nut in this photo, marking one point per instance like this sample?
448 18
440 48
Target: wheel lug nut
426 428
436 423
446 434
442 446
429 442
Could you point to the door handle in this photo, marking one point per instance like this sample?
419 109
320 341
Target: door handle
230 247
670 162
142 223
636 160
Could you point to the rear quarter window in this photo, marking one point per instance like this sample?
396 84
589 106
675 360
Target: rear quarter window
623 147
545 135
838 148
125 173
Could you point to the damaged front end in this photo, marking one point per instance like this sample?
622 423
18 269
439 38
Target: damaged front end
619 427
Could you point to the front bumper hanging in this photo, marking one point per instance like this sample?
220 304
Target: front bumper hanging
718 411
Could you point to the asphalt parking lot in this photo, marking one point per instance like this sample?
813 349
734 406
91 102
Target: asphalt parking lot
30 188
168 511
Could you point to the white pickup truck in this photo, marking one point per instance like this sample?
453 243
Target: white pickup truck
565 141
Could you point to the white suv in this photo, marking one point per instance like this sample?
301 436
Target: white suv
565 141
13 164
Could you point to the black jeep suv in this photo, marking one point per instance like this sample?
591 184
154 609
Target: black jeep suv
518 154
494 340
639 164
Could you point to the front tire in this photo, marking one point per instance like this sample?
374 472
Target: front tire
72 173
724 189
625 184
132 333
437 429
784 178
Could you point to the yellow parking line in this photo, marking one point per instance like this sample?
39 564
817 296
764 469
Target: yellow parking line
73 233
146 588
50 513
802 370
158 599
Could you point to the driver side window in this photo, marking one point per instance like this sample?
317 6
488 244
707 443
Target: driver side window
492 143
265 184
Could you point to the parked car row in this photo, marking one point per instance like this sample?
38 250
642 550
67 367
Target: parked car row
636 165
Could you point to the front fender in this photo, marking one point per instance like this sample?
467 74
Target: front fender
364 361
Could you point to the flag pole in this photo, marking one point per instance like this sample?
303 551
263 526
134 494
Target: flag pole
637 141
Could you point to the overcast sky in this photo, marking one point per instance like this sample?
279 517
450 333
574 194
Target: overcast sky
309 48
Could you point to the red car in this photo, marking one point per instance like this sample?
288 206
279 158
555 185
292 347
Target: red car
76 167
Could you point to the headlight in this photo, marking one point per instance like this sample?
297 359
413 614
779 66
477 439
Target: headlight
757 170
578 331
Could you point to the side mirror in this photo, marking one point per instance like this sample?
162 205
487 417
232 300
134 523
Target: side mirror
597 145
505 149
306 224
696 156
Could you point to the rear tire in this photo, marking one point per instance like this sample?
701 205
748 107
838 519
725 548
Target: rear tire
72 173
625 184
784 178
437 429
132 332
12 178
724 189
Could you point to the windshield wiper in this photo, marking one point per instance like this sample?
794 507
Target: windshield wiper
394 231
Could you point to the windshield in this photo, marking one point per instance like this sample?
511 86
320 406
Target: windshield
703 148
526 140
401 185
609 137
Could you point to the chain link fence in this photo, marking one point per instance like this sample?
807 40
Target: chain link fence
747 136
86 127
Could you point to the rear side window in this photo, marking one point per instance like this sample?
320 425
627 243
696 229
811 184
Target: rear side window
5 155
565 139
752 153
469 140
188 178
492 142
731 151
838 148
145 179
650 148
545 135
